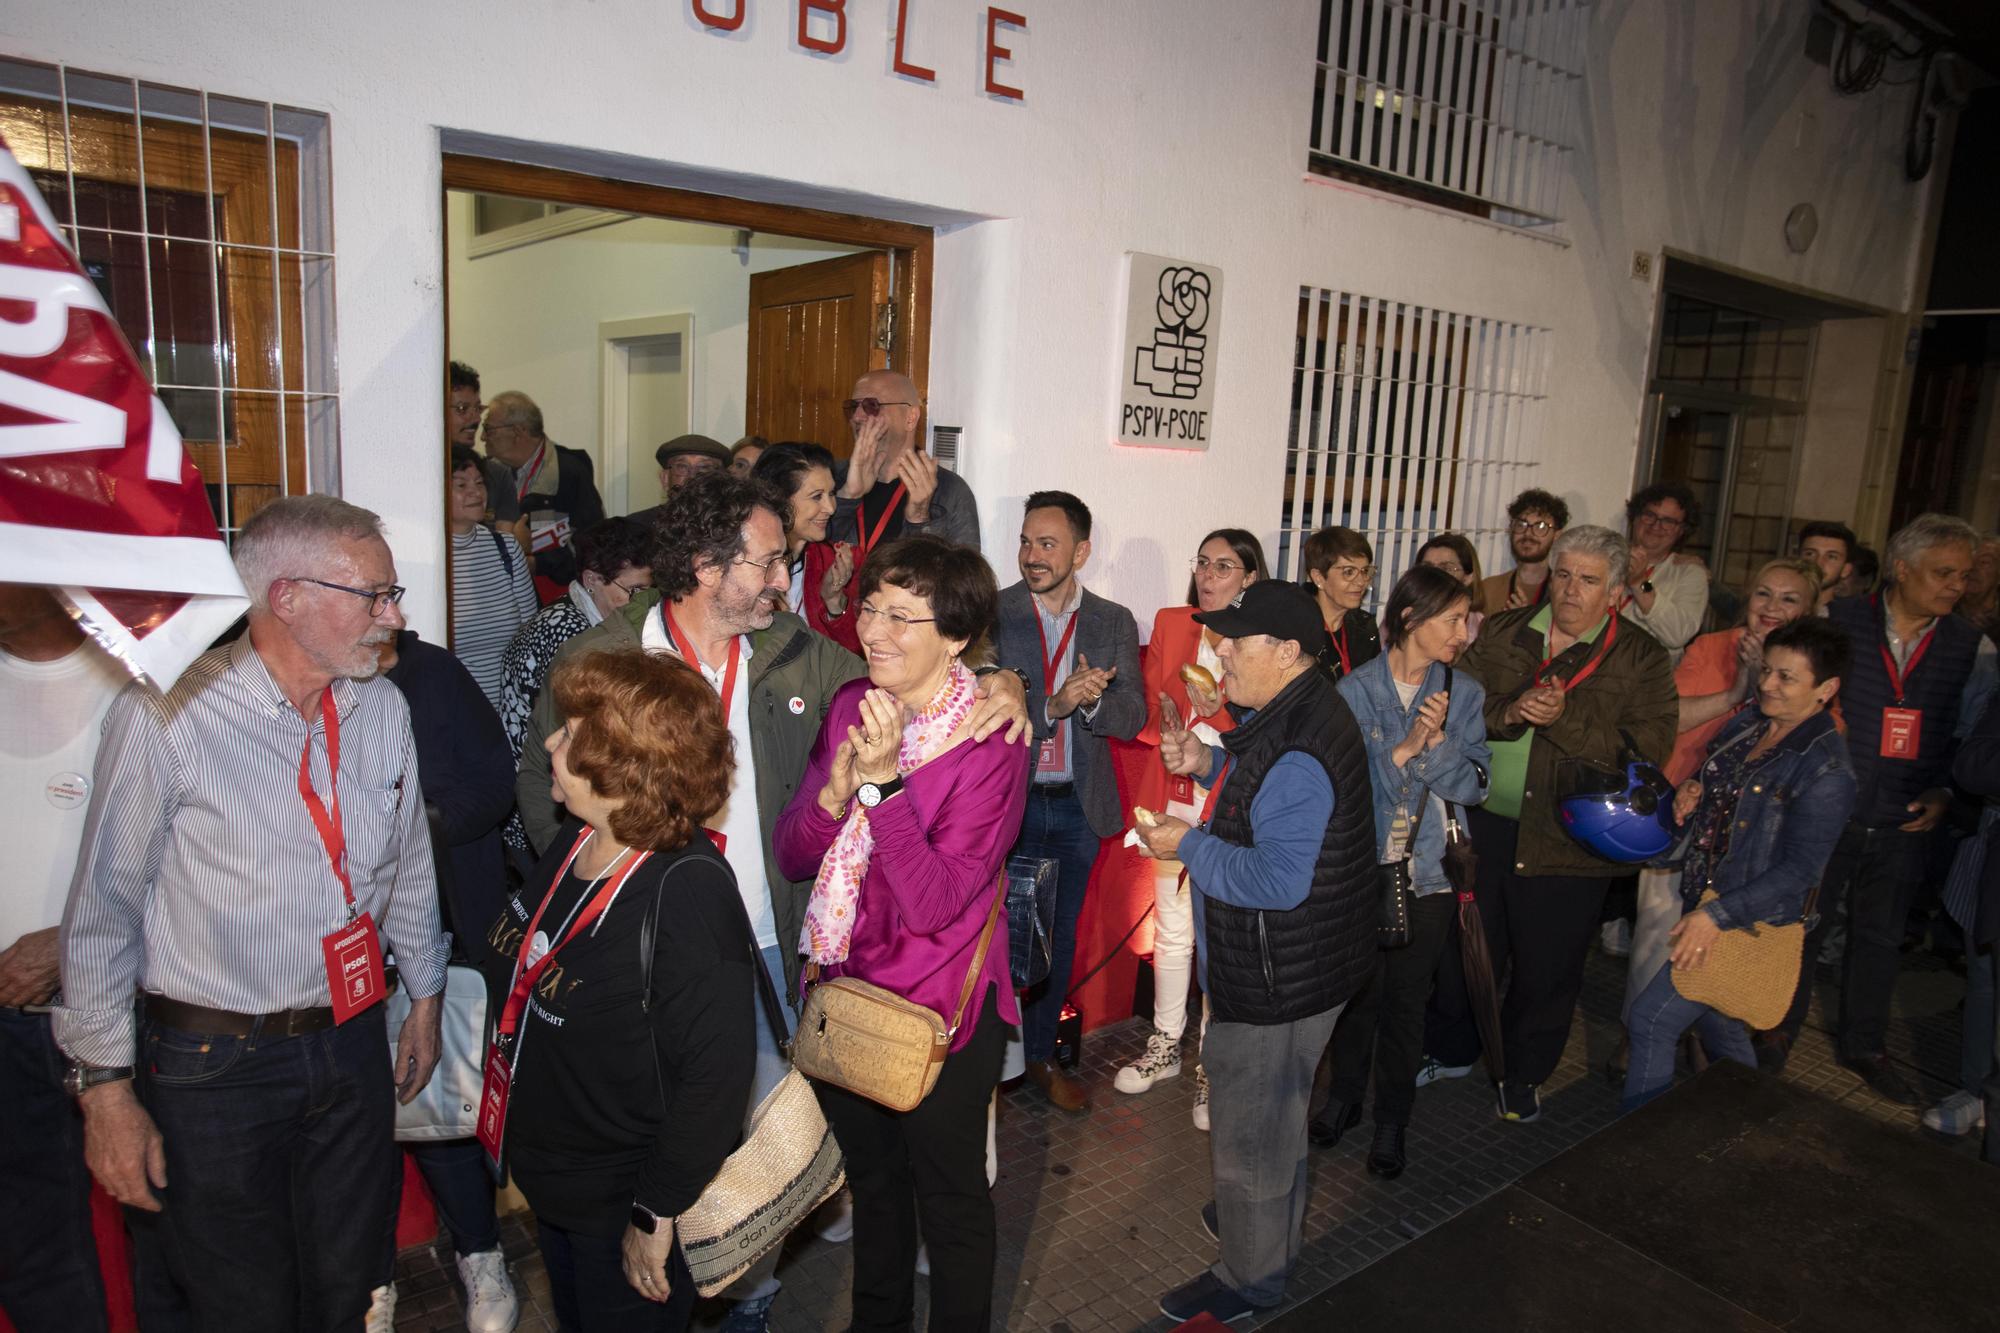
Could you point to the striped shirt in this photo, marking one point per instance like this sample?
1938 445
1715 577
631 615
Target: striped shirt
202 877
492 596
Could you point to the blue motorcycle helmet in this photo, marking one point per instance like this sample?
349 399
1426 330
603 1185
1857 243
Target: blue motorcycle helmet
1624 813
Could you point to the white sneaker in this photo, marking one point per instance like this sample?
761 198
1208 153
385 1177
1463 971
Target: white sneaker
836 1219
1432 1072
1161 1060
490 1303
1957 1115
381 1310
1200 1099
1616 938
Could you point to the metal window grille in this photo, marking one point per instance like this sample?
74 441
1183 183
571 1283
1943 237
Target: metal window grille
1470 101
1407 422
207 223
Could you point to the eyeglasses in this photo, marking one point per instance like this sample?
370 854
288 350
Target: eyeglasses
871 406
1201 564
1659 520
687 467
1354 573
1537 526
764 565
487 432
1451 567
898 622
379 600
630 589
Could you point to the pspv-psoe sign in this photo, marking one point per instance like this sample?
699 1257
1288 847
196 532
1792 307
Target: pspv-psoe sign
1167 356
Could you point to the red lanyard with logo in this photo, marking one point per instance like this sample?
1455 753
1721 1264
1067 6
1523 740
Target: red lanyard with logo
1902 728
685 648
1589 668
1339 637
867 540
534 470
1207 811
503 1055
354 975
1049 759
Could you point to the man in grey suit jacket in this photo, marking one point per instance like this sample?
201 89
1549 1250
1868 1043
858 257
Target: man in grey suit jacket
1081 656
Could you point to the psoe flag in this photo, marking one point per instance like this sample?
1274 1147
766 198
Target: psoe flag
97 497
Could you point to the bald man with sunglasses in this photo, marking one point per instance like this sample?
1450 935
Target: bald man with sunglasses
893 488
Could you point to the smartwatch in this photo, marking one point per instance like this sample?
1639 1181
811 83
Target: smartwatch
872 794
645 1219
81 1078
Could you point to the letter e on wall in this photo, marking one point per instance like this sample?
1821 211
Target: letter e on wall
995 52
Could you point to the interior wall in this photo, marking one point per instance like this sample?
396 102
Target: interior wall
1178 128
1840 406
527 318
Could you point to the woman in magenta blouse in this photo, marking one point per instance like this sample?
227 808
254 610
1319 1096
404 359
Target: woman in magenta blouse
906 820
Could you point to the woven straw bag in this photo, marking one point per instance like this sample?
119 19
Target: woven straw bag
1751 972
876 1044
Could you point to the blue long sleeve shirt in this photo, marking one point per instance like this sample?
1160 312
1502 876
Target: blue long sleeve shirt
1288 815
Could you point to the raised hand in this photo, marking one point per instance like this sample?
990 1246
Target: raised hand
865 463
918 472
833 583
1081 688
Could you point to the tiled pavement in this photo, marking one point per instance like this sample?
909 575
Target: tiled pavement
1098 1214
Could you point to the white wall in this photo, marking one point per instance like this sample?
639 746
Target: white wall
1177 127
527 318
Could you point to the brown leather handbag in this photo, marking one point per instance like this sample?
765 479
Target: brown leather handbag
873 1042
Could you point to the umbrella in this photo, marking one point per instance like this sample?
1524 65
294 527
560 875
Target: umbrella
1483 988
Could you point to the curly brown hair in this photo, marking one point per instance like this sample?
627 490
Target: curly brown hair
644 731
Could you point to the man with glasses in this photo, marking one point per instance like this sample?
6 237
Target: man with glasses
256 845
1534 520
1666 590
462 413
553 485
721 578
893 488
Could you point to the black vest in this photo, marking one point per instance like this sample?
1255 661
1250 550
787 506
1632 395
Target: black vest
1883 787
1278 967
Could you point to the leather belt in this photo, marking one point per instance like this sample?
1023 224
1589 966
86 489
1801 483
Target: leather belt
225 1023
1054 791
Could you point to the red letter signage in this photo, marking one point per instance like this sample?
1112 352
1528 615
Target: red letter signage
996 53
730 24
902 66
837 8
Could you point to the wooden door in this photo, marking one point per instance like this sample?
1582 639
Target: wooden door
814 330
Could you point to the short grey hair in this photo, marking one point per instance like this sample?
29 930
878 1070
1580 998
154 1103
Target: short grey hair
289 538
1923 532
1601 543
514 408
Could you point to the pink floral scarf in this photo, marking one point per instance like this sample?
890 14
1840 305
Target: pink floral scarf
836 892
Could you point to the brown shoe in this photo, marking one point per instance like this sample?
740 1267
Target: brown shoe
1064 1092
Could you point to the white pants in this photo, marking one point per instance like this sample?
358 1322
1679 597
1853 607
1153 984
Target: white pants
1659 911
1173 948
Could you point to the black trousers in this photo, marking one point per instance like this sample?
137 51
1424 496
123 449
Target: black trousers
1538 928
587 1286
924 1168
1384 1023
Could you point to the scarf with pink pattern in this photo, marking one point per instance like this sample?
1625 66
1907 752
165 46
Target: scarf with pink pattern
836 892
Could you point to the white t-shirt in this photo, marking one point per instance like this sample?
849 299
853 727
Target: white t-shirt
743 835
51 716
1407 694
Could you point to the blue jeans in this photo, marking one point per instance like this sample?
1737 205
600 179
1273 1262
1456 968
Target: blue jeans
282 1168
587 1286
1054 828
1659 1016
48 1258
462 1188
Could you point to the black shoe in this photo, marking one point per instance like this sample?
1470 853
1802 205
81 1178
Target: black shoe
1387 1158
1773 1049
1205 1295
1519 1102
1336 1119
1210 1223
1879 1074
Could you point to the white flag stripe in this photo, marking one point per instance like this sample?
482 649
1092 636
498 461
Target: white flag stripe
66 556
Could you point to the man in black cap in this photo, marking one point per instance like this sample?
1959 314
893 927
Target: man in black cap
681 460
1283 874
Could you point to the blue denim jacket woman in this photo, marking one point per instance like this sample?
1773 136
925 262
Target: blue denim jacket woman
1453 769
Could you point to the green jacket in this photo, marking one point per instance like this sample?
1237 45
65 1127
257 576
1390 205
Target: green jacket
1632 690
787 662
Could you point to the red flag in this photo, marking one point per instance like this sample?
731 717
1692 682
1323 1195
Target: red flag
97 496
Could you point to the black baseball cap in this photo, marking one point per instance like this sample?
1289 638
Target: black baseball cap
1274 607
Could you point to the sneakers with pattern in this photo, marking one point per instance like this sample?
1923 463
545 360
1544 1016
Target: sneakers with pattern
1957 1115
1432 1072
1162 1060
1200 1099
490 1303
381 1310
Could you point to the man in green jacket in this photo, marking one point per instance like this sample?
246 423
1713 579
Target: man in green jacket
1569 679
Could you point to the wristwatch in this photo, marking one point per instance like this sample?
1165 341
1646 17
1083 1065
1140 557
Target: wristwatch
980 673
645 1219
80 1078
872 794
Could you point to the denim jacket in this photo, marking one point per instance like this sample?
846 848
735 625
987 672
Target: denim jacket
1447 770
1787 821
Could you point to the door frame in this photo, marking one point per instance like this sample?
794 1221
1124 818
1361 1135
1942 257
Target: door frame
614 340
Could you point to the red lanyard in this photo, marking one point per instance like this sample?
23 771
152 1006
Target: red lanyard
534 470
526 974
1898 679
1339 638
331 834
868 541
1208 806
1050 661
689 656
1590 667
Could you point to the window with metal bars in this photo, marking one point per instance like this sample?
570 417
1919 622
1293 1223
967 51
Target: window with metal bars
207 224
1407 422
1470 104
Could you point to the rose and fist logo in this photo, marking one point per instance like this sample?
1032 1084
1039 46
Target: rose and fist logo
1171 367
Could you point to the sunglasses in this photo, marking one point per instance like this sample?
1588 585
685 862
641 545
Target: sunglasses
871 407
